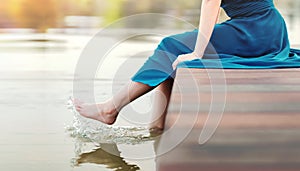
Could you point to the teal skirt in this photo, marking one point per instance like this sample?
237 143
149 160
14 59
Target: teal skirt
247 41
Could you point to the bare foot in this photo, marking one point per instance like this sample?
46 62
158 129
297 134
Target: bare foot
103 112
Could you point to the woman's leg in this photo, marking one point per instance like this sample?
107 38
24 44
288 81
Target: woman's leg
108 111
161 102
155 72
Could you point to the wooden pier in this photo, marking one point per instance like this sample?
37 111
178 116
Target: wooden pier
259 129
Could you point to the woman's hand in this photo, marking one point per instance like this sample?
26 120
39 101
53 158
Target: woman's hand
185 57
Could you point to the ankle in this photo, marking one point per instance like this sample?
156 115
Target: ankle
115 105
108 108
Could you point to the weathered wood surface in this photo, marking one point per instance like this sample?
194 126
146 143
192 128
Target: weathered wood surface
259 130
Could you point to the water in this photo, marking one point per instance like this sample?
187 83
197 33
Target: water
35 82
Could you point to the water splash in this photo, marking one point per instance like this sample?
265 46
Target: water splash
90 136
87 130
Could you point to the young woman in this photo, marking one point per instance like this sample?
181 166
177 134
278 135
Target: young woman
254 37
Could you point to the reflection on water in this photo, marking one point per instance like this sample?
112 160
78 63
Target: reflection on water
104 156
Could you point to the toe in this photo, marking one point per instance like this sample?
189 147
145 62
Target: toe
78 108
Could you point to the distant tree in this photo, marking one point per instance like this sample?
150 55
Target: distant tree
4 14
38 14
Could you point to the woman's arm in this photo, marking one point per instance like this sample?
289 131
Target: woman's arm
209 16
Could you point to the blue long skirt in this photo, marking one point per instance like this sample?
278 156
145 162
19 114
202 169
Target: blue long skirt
259 41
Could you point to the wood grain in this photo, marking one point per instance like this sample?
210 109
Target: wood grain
260 127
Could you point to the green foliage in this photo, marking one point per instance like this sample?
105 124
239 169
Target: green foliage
113 11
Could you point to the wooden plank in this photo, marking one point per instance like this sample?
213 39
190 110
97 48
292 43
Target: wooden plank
238 107
244 120
220 167
260 128
231 149
241 76
243 97
253 88
241 73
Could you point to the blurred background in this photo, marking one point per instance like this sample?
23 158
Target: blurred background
62 16
49 19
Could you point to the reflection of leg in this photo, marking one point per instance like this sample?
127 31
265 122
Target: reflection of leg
161 102
107 112
108 155
156 144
